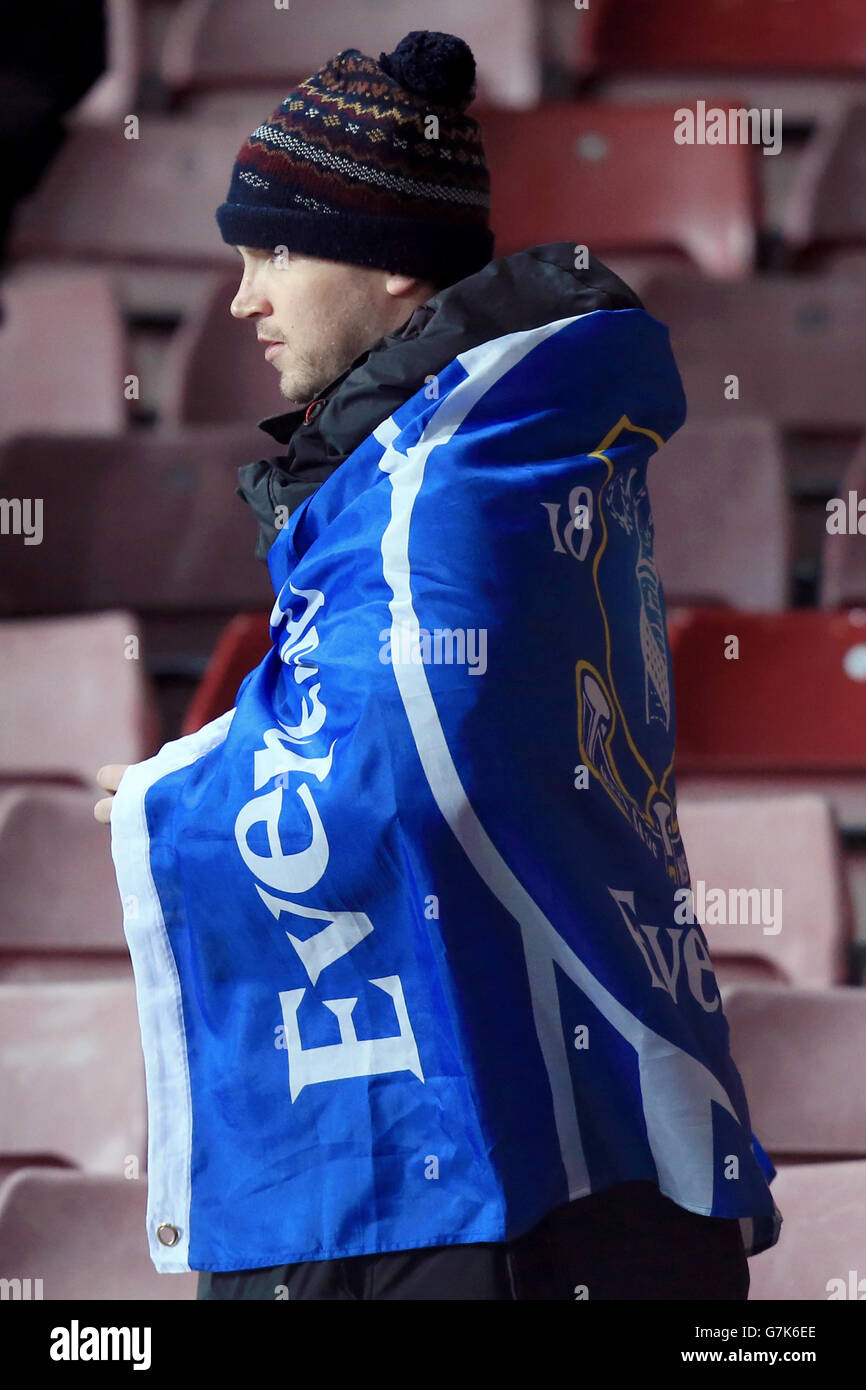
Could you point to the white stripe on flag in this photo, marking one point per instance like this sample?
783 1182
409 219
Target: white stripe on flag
160 1007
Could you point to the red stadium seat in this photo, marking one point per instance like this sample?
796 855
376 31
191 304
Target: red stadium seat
732 35
188 541
72 1073
78 700
785 848
722 515
232 43
63 354
153 199
612 178
843 570
84 1236
243 644
819 1254
790 340
794 700
788 715
826 205
215 367
779 1037
114 94
61 911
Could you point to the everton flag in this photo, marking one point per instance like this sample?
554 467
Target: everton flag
404 922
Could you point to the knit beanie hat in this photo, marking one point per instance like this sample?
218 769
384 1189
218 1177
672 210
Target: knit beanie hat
373 164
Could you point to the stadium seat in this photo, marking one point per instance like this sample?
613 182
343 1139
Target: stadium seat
613 179
244 643
114 94
148 521
150 199
826 206
819 1253
731 36
794 699
843 569
790 340
72 1073
215 369
63 354
61 911
777 863
78 700
781 1036
83 1236
233 43
722 516
789 714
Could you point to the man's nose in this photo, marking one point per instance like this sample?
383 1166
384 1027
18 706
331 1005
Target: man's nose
249 300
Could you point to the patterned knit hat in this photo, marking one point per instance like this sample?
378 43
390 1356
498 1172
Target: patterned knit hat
372 164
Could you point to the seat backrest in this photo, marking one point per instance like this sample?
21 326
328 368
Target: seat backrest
62 354
78 698
215 368
84 1236
149 521
793 1049
72 1073
731 36
233 43
768 885
826 201
244 643
819 1254
722 514
113 95
770 692
612 177
149 199
843 559
783 346
57 882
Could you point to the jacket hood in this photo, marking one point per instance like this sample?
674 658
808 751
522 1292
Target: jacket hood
510 294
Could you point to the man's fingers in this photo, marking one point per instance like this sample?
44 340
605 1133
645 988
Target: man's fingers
110 775
102 809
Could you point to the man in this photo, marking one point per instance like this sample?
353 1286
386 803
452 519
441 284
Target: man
529 1093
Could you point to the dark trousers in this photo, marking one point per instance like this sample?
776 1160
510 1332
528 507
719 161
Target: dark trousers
629 1242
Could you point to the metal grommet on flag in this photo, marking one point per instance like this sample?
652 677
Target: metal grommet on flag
167 1234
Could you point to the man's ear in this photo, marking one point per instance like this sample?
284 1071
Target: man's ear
398 285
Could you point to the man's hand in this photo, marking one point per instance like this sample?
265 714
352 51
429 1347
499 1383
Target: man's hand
109 778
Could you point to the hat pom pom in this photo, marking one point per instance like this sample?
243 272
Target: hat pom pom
433 65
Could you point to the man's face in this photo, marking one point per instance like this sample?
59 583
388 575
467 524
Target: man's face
324 314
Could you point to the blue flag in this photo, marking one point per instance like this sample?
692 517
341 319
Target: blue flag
409 966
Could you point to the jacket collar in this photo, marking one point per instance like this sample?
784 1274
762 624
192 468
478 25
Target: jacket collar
282 427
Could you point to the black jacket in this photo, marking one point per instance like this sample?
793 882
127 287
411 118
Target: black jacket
509 295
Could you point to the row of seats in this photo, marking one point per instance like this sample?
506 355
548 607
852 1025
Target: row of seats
61 916
729 667
73 1087
48 1218
218 45
144 521
72 1143
724 522
791 343
609 176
